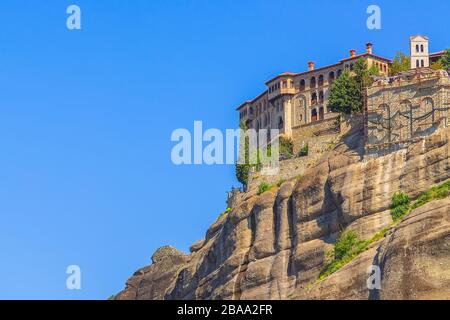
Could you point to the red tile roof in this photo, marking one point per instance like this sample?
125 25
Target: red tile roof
330 66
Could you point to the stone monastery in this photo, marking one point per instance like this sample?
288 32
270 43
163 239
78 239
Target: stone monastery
397 109
297 103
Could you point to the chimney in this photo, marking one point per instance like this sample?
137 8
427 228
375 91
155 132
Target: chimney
369 48
311 65
352 53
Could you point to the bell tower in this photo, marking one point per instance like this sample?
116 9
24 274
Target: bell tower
420 57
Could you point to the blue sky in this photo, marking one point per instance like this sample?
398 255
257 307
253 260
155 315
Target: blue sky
86 118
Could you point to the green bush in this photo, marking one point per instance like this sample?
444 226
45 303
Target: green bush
399 198
434 193
304 151
224 214
347 247
345 244
263 187
400 205
280 182
286 147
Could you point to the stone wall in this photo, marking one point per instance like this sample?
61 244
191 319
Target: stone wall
318 135
288 169
321 136
406 109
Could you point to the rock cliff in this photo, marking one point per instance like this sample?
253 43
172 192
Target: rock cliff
274 245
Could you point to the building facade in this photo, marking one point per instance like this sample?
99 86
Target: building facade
298 99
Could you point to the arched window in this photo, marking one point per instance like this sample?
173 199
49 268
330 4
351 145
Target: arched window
417 63
313 115
331 77
314 98
417 48
321 99
339 73
299 109
320 80
422 63
312 83
302 85
421 48
321 113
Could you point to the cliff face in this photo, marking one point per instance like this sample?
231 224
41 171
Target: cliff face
273 246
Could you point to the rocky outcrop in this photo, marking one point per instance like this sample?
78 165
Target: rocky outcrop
151 283
274 245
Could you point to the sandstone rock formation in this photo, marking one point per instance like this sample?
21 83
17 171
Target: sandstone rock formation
274 245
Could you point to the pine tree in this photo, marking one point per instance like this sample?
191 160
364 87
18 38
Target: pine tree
346 94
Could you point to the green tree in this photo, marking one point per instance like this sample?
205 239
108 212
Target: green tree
445 60
437 65
400 63
364 75
243 169
346 93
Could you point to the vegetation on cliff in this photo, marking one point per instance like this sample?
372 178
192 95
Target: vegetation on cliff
243 169
348 246
399 206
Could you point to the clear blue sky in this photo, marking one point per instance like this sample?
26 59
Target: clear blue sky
86 118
